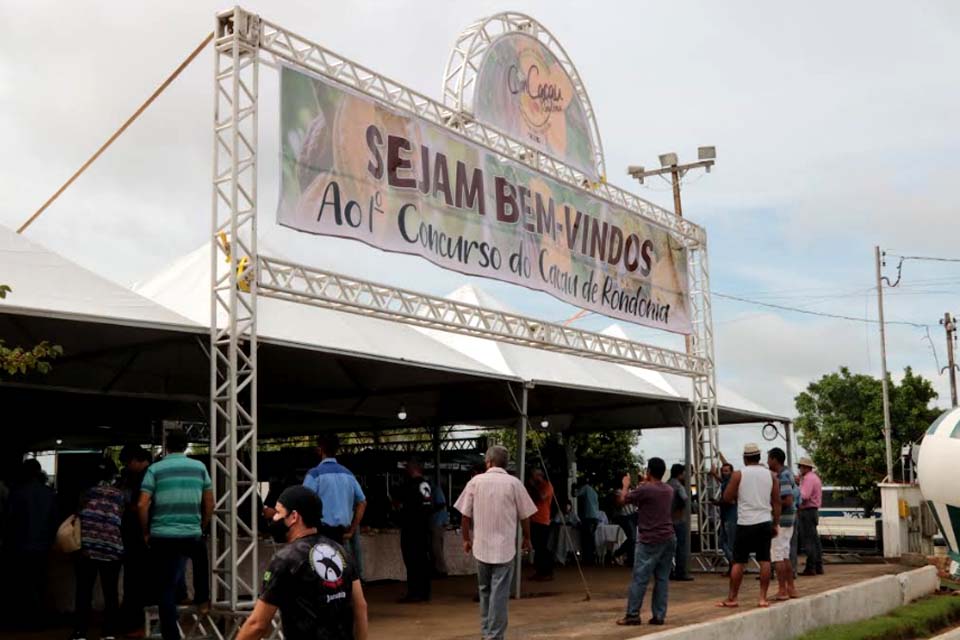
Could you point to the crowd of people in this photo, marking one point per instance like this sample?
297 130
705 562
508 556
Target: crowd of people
151 519
146 520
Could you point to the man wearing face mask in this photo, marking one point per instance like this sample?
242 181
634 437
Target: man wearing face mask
312 580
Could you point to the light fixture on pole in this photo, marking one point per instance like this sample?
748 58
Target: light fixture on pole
544 424
670 164
402 413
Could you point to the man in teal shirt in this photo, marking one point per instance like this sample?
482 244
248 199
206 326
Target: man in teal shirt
181 496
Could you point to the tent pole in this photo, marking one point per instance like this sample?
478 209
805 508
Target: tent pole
521 473
788 435
701 491
436 456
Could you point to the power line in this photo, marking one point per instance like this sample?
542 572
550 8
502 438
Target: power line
816 313
924 258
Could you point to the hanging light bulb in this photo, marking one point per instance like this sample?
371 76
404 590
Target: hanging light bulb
402 414
544 423
59 441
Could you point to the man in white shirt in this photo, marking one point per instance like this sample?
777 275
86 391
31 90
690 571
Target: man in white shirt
756 491
492 503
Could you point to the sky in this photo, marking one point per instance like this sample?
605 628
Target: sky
835 125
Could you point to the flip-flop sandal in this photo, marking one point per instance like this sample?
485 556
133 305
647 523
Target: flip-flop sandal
763 605
629 622
780 598
728 605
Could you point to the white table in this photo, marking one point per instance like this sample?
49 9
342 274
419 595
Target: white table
566 540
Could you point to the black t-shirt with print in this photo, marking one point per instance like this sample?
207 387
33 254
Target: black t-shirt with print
416 503
311 580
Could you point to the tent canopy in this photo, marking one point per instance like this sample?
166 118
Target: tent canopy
134 358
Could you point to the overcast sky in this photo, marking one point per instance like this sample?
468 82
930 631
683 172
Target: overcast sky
836 127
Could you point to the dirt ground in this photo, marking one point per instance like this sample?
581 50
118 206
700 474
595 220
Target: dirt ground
557 609
553 610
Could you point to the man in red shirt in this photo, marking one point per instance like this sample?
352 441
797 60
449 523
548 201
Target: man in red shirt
542 493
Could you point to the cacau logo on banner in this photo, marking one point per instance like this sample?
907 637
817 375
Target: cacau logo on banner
524 91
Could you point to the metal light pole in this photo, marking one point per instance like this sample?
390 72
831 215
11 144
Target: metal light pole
669 163
883 362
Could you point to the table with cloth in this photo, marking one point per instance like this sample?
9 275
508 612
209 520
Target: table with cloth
566 540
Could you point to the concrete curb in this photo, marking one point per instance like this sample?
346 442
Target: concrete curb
794 618
949 635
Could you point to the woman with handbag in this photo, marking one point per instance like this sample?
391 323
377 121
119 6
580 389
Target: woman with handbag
101 548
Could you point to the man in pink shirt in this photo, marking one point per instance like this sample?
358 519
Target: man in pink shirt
492 504
808 517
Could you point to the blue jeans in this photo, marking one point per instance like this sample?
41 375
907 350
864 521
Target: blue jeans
682 564
651 560
494 581
728 535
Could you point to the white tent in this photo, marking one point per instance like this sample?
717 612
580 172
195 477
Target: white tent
135 357
46 284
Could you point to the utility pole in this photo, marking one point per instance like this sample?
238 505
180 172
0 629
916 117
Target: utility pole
883 362
950 326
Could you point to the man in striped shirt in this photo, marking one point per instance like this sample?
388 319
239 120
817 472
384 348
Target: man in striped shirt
181 495
493 503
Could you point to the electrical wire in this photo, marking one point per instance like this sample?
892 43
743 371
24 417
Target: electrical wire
924 258
816 313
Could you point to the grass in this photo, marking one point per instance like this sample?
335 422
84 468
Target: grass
920 619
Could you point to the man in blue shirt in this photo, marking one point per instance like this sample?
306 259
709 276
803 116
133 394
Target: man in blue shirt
728 513
588 506
438 525
343 499
780 546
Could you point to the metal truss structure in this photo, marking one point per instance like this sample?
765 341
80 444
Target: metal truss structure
233 317
280 46
704 415
299 283
463 67
238 274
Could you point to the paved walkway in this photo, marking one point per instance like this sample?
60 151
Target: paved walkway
555 610
558 610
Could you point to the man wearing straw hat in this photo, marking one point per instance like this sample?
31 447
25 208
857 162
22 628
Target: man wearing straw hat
757 494
808 517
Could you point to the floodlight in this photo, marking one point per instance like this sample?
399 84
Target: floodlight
634 170
402 414
707 153
668 160
59 441
544 423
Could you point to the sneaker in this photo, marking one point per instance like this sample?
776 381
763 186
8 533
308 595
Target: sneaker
629 621
656 621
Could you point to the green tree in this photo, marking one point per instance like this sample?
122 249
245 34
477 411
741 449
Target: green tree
19 360
602 457
840 422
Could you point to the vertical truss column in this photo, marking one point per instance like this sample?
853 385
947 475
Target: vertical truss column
233 330
704 420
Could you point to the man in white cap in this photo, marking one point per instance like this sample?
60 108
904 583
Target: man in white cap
808 517
757 494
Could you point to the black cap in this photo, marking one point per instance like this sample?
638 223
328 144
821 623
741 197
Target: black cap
305 502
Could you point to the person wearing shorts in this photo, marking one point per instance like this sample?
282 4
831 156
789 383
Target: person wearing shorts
780 547
756 491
